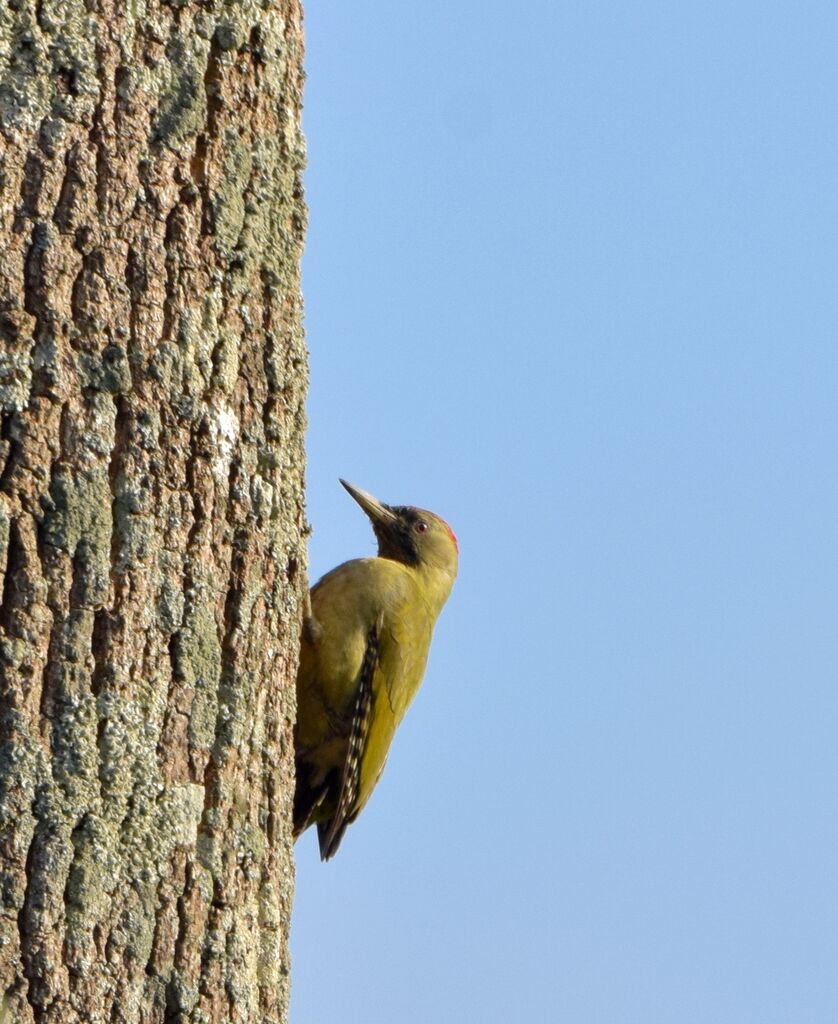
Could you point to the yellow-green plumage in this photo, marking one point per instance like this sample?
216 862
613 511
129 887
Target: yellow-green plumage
364 649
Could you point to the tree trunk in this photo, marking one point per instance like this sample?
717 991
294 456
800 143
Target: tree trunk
152 379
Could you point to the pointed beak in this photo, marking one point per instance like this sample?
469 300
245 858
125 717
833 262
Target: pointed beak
379 513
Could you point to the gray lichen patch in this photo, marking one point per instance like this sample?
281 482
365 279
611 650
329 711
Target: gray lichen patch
181 808
106 371
89 879
126 741
133 522
198 664
226 361
15 378
171 601
78 520
47 63
228 199
73 745
196 339
182 112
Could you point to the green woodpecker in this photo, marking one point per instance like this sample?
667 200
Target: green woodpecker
364 648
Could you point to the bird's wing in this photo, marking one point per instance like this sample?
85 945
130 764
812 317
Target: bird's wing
330 833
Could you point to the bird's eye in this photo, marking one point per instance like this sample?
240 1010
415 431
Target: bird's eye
421 526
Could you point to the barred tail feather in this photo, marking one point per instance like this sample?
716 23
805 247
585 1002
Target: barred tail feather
330 833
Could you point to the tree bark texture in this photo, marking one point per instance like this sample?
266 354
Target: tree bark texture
152 536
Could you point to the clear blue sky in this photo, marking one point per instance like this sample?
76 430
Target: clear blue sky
572 282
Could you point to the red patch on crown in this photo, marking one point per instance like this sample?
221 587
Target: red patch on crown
454 538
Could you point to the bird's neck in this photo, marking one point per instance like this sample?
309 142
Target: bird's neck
435 583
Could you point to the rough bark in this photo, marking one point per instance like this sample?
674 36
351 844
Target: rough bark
152 378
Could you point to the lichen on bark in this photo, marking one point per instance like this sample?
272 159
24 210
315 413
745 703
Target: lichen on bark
152 534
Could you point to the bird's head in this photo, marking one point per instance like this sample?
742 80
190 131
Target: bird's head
410 535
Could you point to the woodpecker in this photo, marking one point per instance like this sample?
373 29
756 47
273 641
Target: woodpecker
363 653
